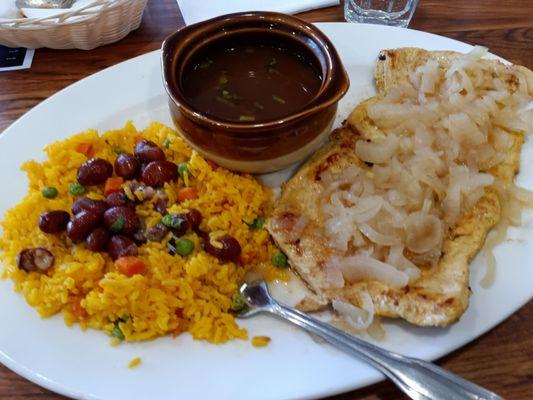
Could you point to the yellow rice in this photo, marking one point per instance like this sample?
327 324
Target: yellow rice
135 362
175 294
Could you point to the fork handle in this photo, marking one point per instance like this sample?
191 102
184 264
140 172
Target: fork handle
419 379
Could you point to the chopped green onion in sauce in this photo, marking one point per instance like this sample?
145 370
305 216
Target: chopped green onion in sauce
118 150
206 64
166 143
224 101
278 99
223 79
233 79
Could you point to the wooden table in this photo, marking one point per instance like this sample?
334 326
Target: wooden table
501 360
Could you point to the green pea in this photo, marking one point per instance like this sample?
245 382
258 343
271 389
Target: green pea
172 221
77 189
184 247
118 225
279 260
118 150
237 302
183 168
166 143
257 223
117 332
50 192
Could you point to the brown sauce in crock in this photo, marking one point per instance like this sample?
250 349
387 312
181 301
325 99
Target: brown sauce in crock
251 79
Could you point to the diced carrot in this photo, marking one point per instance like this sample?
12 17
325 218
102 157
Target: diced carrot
78 310
137 139
130 265
187 193
113 184
86 149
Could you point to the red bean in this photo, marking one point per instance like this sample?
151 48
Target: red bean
54 221
178 224
121 246
157 232
226 248
119 198
139 237
194 218
147 151
94 172
127 166
98 239
86 204
35 259
121 220
160 206
156 173
82 224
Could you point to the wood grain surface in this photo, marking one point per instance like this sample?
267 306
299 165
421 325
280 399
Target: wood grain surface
502 359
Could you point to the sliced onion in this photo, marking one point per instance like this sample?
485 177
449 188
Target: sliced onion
358 318
397 258
424 232
333 273
363 267
376 237
377 153
439 132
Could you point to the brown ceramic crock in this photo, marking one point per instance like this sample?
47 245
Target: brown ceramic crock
250 146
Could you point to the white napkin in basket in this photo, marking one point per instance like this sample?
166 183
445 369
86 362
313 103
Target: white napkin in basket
199 10
8 10
47 12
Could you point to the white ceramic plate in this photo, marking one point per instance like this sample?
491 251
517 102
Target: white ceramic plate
293 366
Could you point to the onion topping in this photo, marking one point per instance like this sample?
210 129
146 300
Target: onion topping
438 137
358 318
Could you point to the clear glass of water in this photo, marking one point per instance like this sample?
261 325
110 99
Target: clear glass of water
384 12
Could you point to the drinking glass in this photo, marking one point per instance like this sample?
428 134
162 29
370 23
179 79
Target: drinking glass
384 12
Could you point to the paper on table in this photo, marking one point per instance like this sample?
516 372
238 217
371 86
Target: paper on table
15 58
198 10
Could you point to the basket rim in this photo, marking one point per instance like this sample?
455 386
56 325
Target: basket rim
26 23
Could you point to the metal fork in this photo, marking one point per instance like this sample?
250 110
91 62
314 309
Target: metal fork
419 379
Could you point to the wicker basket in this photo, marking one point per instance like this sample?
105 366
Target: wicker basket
99 23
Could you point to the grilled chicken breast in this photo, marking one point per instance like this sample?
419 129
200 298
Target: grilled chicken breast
440 295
